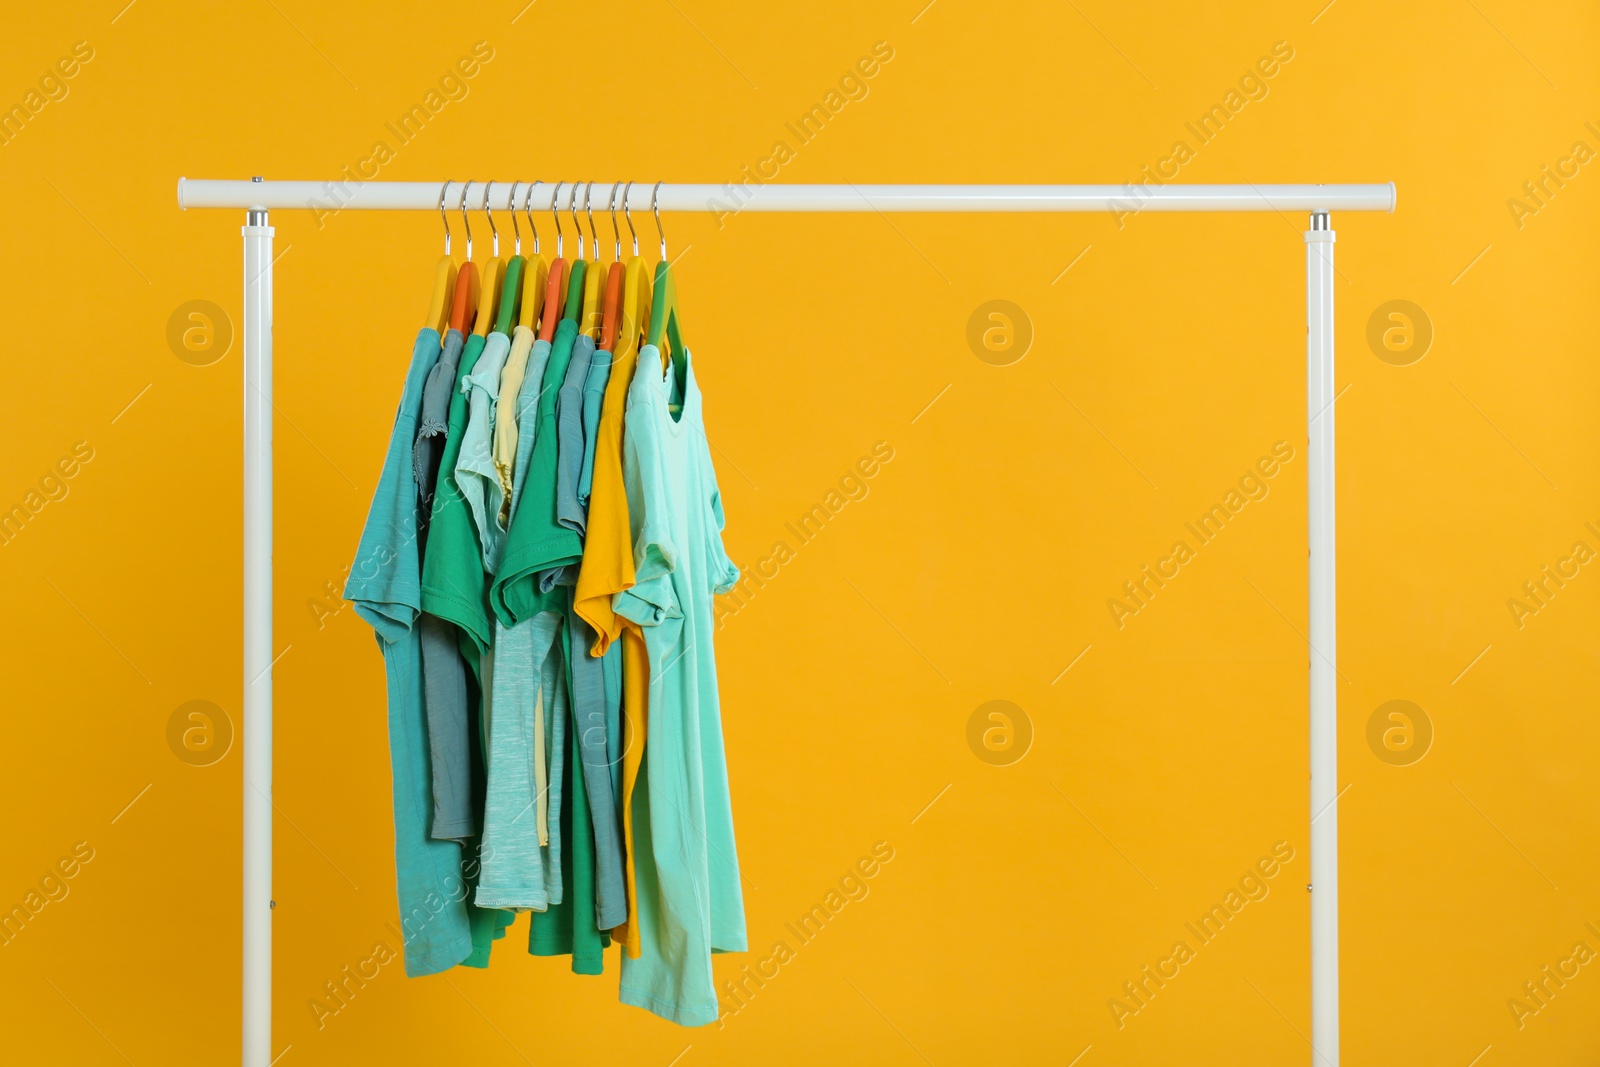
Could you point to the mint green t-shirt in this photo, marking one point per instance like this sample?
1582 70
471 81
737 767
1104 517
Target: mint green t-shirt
690 903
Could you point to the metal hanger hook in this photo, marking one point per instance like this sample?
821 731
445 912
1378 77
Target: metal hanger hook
629 216
443 217
588 208
555 195
572 206
511 206
490 185
654 194
616 231
527 209
464 220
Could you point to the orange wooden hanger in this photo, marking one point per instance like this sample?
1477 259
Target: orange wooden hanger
558 273
613 297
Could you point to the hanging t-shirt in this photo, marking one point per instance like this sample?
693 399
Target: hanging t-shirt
691 903
597 721
522 869
432 422
527 416
504 449
444 674
594 391
385 588
537 542
569 429
453 579
607 569
586 678
475 471
529 705
569 928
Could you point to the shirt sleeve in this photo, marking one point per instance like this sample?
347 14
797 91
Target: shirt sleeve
385 580
724 572
652 599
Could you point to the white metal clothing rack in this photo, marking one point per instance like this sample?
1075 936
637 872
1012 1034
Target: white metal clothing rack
257 197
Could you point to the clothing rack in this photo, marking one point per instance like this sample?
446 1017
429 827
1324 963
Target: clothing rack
258 197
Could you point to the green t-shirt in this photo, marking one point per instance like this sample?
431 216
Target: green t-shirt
536 541
453 578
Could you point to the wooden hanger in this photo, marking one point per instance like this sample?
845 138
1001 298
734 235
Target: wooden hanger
467 283
492 272
554 287
613 297
534 276
444 278
511 289
664 304
576 273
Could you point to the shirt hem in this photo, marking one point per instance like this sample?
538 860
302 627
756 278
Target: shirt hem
519 898
458 610
683 1015
437 961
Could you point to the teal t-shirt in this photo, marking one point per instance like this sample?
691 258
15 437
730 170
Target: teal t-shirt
453 578
689 899
537 541
385 587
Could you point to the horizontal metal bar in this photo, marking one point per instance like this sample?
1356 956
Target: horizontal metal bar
419 196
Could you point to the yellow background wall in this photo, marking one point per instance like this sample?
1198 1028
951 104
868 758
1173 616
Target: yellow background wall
1163 765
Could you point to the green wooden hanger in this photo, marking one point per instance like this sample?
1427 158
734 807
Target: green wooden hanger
664 304
511 288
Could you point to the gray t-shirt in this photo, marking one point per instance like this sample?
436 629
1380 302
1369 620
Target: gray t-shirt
594 391
444 675
569 435
432 422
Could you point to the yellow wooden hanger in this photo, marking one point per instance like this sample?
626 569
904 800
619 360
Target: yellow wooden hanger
535 275
635 310
444 278
489 301
465 301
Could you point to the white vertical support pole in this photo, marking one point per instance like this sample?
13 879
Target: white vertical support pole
256 1023
1323 609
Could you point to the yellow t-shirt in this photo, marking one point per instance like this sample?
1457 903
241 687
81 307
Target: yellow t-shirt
607 567
504 448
